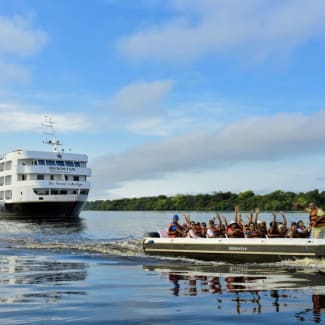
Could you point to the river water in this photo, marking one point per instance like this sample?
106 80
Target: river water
93 271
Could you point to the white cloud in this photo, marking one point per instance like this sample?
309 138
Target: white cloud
255 29
262 177
13 72
15 118
163 126
141 97
18 37
139 107
272 138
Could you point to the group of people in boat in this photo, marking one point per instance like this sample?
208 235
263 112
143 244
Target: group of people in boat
253 228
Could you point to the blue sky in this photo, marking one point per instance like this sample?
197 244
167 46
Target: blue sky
170 97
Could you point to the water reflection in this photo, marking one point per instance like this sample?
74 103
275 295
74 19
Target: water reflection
47 277
252 290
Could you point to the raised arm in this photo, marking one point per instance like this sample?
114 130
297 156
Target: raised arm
237 214
283 217
219 220
187 219
257 212
273 226
250 217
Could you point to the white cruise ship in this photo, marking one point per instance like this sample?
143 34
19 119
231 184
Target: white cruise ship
44 183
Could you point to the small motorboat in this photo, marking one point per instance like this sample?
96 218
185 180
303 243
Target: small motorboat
237 250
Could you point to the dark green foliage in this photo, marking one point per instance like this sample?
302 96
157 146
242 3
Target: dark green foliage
217 201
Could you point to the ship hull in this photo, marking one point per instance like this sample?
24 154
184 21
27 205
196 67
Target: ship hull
43 209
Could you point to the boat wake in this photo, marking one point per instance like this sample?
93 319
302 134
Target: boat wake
132 247
310 263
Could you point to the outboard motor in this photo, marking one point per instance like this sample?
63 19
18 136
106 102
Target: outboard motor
152 235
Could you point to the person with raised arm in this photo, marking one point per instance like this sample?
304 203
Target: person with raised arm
260 225
212 230
221 226
250 231
195 230
237 215
234 228
273 231
283 226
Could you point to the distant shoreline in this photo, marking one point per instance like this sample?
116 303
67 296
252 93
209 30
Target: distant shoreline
217 201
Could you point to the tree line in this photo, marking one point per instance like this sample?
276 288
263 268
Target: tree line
217 201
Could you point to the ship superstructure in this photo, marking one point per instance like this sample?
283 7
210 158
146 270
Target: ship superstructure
44 184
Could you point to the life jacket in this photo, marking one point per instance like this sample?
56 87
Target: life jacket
255 234
238 232
275 235
313 216
215 231
172 230
198 231
303 233
292 234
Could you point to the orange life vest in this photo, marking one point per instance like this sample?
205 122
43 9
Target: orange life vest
313 216
172 230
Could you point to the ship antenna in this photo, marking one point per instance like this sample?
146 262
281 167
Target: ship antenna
50 137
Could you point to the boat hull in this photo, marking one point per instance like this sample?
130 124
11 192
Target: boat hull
43 209
236 250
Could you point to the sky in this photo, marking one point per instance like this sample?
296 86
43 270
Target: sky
170 97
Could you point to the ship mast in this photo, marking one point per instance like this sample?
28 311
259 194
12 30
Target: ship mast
50 137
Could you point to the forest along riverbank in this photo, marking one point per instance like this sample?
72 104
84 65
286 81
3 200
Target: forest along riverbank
218 201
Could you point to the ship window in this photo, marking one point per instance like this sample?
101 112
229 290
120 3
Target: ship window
54 192
76 178
23 177
8 195
77 163
69 163
83 164
41 162
63 192
40 177
84 192
52 177
59 163
8 180
41 191
1 195
50 162
1 181
8 165
66 177
2 167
